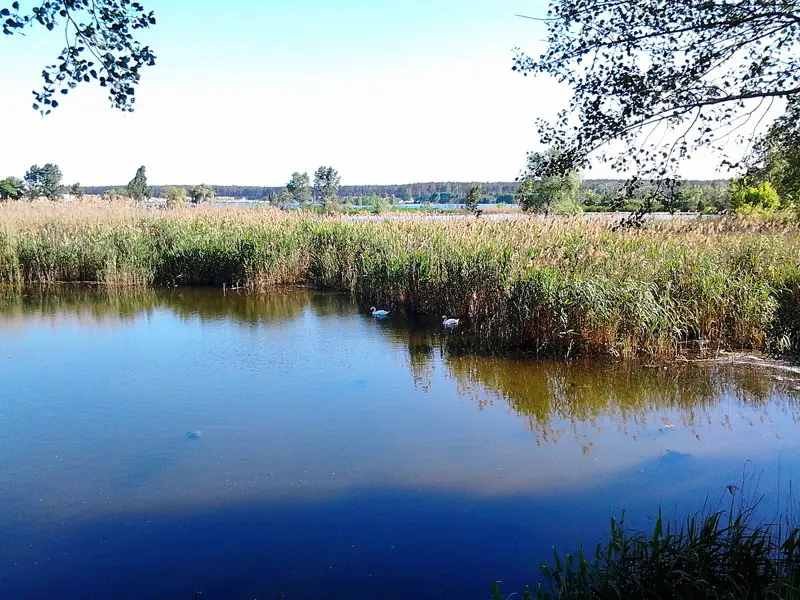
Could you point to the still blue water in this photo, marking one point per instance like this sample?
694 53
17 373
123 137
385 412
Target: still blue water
334 455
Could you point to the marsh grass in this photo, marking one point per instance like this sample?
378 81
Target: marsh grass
559 286
716 555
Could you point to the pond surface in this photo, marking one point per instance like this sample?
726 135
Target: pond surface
157 443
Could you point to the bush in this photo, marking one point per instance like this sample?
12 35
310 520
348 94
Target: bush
760 199
175 196
555 193
115 195
11 188
566 206
380 205
201 193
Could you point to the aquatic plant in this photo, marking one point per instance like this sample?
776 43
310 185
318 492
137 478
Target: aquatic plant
717 555
560 286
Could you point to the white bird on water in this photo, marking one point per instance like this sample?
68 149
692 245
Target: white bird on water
379 313
449 322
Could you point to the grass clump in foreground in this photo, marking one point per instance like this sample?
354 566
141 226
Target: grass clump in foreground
720 555
557 286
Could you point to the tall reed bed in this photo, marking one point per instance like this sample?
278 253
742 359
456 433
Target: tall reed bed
559 286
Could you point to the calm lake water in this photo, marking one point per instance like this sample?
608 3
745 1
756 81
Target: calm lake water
340 456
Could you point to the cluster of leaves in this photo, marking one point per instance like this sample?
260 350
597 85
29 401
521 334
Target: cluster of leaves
326 184
39 182
776 156
474 196
379 205
11 188
772 178
100 46
44 181
546 190
175 196
299 188
201 193
665 78
300 191
760 199
137 189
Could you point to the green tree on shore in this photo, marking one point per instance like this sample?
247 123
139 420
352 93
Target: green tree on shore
473 197
283 197
326 186
555 193
11 188
300 188
44 181
201 193
761 198
76 190
175 196
544 188
776 156
137 188
326 183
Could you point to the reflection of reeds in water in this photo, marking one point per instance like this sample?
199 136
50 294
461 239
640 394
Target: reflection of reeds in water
109 304
421 357
551 394
83 303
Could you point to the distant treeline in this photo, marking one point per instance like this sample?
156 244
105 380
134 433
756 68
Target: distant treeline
449 192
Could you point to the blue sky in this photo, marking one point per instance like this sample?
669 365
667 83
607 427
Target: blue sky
246 92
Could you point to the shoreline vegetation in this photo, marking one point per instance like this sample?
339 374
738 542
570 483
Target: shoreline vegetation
723 554
558 286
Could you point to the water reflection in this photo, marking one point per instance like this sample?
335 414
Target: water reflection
552 394
542 392
335 447
106 304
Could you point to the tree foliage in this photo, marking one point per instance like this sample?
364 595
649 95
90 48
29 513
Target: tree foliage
544 189
663 77
44 181
283 197
760 198
300 188
137 188
776 156
326 184
11 188
99 45
554 193
378 205
175 196
201 193
473 197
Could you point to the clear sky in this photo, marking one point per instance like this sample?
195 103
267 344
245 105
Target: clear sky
248 91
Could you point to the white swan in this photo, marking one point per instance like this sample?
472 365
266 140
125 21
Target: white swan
379 313
449 322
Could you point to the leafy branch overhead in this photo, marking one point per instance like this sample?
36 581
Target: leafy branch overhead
99 45
665 78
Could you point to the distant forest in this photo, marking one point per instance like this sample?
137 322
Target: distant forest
450 192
